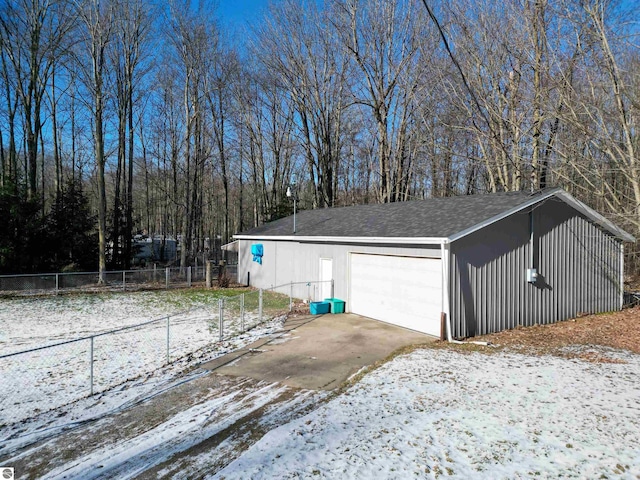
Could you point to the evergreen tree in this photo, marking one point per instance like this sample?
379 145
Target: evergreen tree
71 232
21 236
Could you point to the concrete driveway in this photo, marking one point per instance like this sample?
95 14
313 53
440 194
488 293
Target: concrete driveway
200 424
318 352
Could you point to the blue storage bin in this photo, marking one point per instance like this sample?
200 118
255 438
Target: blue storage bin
337 305
319 308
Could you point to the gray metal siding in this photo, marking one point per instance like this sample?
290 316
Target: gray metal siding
578 272
286 261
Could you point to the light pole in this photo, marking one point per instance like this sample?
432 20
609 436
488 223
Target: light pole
291 193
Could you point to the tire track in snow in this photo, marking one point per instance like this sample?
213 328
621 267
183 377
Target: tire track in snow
201 425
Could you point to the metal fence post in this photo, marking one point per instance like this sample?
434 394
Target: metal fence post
242 313
291 296
91 366
57 282
124 280
168 358
167 274
260 306
221 320
189 276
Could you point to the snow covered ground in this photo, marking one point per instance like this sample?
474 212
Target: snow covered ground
434 413
109 403
438 413
32 322
44 379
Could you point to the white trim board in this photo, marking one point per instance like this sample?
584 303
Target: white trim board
565 197
375 240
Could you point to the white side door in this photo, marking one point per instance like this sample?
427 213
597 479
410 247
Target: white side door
326 275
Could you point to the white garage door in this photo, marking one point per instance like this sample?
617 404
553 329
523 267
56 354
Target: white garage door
405 291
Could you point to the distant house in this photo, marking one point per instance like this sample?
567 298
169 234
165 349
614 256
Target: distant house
146 250
487 262
165 249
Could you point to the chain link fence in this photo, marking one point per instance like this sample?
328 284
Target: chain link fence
125 280
44 378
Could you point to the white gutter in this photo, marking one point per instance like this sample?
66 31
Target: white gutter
376 240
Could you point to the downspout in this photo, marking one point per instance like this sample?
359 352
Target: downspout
531 257
445 254
532 272
444 260
621 275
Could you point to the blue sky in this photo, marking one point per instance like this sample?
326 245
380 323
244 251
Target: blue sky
239 12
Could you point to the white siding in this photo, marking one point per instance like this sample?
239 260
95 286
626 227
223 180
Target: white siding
285 262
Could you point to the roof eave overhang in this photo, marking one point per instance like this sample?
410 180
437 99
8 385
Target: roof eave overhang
360 240
596 217
231 246
564 196
567 198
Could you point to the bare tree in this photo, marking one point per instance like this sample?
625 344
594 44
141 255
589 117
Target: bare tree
268 119
222 77
132 25
10 104
297 44
193 37
32 32
382 39
501 53
601 111
96 33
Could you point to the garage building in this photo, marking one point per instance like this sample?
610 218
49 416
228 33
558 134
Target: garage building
488 262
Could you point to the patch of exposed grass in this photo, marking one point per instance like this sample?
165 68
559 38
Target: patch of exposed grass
272 302
184 299
464 347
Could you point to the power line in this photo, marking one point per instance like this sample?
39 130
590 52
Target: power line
443 36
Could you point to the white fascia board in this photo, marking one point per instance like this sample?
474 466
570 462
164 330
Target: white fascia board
381 240
231 246
497 218
567 198
596 217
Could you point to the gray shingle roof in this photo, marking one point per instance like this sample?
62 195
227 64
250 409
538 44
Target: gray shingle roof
435 217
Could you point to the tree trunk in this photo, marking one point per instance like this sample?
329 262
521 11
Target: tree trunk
129 207
102 197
